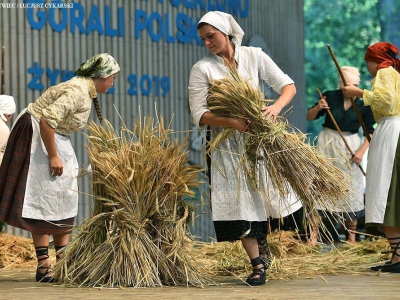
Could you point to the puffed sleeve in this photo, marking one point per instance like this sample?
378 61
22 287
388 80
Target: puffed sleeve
65 104
271 73
383 92
198 91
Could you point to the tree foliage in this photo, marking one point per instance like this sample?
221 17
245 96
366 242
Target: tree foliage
390 21
349 27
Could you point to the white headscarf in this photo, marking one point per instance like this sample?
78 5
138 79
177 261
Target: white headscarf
225 23
350 74
7 106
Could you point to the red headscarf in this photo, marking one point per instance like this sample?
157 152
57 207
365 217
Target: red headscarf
378 53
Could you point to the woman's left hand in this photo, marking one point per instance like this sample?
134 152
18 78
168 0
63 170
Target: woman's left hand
357 158
271 111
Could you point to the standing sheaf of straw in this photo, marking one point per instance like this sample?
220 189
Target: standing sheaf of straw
137 234
291 162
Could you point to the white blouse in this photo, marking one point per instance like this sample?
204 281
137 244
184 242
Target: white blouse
253 64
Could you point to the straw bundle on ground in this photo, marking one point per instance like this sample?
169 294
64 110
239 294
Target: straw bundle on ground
137 235
16 251
291 162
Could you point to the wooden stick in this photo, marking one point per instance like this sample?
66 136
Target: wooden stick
340 132
3 49
353 102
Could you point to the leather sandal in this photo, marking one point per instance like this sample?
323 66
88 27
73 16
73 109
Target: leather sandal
378 267
257 271
43 253
44 277
59 251
393 267
388 266
265 253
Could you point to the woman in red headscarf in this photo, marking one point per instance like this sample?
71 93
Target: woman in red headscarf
382 197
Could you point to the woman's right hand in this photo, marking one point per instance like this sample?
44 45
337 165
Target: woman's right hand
56 165
352 91
322 104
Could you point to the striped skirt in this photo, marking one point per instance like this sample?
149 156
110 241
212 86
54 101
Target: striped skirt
13 177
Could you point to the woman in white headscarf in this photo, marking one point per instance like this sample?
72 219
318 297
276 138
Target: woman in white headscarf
239 210
332 144
7 109
38 176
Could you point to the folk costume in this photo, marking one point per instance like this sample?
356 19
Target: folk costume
30 197
238 209
382 199
382 193
332 145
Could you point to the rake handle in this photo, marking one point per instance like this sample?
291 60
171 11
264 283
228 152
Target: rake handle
353 102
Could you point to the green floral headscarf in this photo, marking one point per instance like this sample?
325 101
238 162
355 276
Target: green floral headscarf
100 66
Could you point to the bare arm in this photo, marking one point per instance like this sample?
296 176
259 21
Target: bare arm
288 92
287 95
352 91
313 112
358 156
211 119
47 133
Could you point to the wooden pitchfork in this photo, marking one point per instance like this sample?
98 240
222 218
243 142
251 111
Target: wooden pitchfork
340 132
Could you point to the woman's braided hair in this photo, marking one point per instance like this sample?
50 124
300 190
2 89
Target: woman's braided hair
98 110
